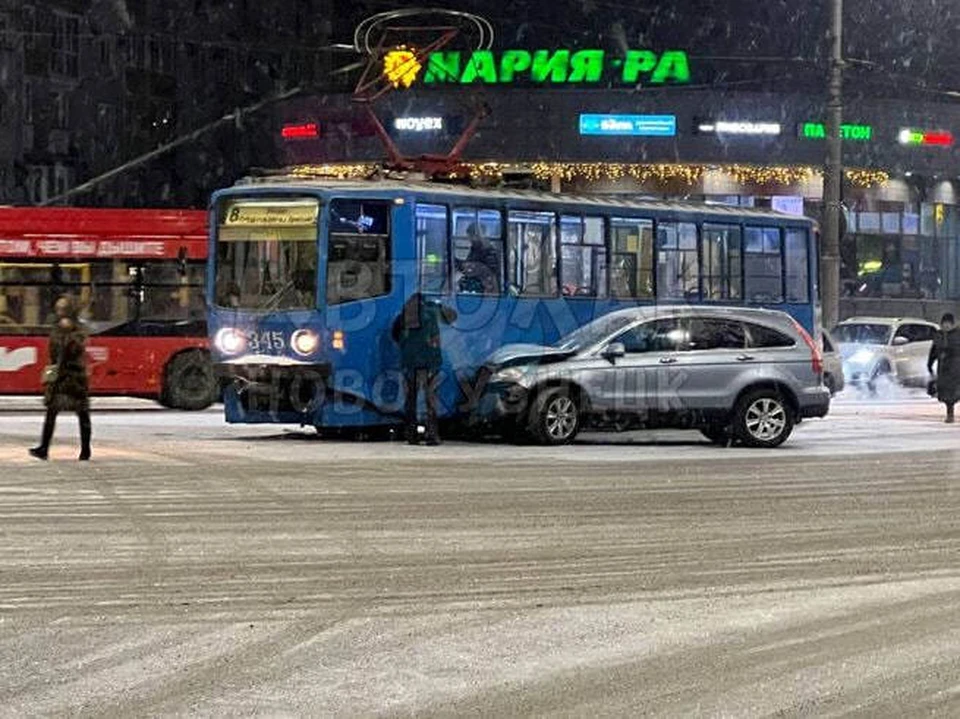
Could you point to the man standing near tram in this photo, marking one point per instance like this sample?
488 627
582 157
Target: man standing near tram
417 330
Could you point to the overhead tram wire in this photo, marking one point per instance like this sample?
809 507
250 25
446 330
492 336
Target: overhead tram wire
234 117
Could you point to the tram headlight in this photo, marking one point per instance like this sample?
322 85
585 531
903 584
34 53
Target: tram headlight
305 342
230 341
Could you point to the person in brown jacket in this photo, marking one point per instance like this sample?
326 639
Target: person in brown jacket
65 382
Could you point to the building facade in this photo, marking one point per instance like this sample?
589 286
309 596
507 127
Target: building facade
87 86
901 242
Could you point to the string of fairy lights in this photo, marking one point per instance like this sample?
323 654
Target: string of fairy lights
664 173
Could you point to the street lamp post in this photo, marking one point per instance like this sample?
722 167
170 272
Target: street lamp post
833 173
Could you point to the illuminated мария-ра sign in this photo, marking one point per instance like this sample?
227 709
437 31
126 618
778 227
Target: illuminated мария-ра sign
547 67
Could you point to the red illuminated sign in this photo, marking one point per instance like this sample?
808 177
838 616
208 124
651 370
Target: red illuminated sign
302 131
909 136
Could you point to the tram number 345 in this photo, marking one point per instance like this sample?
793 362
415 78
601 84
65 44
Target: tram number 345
261 342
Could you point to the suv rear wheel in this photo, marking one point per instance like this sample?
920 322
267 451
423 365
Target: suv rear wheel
763 418
556 417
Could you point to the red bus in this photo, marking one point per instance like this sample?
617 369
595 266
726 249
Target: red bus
138 276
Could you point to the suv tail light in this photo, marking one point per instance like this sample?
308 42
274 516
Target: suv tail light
816 356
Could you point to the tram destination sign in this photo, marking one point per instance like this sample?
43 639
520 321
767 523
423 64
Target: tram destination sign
539 67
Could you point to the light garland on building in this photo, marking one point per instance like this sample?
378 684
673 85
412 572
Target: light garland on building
868 178
688 174
339 172
754 175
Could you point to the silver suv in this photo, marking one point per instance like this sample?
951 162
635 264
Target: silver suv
735 374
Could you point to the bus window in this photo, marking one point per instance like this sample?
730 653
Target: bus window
631 264
532 251
168 294
358 250
762 265
678 266
432 247
583 258
478 250
798 266
28 291
722 278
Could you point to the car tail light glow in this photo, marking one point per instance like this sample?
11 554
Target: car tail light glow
816 356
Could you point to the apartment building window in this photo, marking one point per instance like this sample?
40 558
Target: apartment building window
106 121
105 51
61 109
62 179
27 103
28 21
66 45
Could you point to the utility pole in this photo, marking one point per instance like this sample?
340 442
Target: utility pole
832 174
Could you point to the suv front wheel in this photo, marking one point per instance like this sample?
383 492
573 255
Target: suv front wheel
763 419
556 417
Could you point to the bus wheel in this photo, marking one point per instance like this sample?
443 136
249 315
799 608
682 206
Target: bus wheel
189 382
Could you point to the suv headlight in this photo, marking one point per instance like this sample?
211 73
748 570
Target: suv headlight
862 357
509 374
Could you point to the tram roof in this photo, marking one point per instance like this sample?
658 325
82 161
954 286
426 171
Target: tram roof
433 189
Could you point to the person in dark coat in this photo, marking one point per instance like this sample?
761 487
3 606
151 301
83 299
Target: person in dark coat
480 270
946 354
68 389
417 330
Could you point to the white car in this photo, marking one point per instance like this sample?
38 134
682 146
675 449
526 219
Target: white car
878 348
832 364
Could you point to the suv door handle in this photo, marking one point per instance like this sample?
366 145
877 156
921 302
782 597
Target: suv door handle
667 360
745 358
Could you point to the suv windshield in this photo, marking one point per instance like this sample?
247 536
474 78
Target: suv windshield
594 332
862 333
267 254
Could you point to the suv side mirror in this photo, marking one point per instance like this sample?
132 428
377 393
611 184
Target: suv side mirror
900 341
614 350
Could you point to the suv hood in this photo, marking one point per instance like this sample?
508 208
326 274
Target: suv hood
527 354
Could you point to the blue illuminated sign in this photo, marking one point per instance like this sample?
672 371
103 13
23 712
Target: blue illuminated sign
636 125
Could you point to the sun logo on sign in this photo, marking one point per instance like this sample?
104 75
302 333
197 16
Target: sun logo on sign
401 66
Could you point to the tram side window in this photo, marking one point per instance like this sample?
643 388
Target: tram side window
358 250
583 258
532 249
478 250
631 262
432 247
722 276
798 266
678 265
762 265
